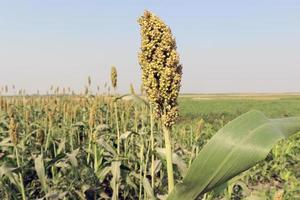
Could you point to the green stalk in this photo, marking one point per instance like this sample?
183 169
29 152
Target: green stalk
48 139
55 154
141 169
117 126
90 145
145 168
95 158
71 139
152 147
118 138
168 145
20 175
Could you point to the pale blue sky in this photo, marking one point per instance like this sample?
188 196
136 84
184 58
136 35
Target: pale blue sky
225 46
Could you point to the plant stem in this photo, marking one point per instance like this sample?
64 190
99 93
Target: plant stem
141 168
89 145
152 147
48 139
117 126
20 175
168 145
95 158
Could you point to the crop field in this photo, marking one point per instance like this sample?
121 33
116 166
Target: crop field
230 106
95 147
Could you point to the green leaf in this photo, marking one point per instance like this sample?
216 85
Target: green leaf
40 170
116 175
107 146
236 147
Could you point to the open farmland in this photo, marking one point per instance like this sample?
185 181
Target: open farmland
229 106
67 145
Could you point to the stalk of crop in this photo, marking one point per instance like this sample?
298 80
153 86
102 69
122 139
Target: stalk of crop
91 123
50 124
114 81
50 116
117 127
161 75
114 84
14 138
141 168
146 164
152 146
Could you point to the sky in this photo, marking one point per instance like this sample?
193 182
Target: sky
228 46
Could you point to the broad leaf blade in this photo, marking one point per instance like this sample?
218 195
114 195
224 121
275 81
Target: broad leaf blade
40 170
233 149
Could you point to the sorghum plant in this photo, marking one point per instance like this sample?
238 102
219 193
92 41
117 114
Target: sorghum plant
161 75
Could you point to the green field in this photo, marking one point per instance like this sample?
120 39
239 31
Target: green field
212 107
94 147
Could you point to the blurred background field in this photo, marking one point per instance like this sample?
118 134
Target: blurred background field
229 106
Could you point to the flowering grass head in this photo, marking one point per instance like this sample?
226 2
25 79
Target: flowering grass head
114 77
161 70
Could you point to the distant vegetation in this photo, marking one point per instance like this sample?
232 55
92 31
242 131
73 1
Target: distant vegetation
212 107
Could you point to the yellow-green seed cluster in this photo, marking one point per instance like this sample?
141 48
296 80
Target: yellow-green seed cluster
13 131
114 77
160 67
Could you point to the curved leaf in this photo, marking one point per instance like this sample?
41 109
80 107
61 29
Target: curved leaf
40 170
235 148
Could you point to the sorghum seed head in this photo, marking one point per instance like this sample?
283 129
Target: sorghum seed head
114 77
13 131
161 71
